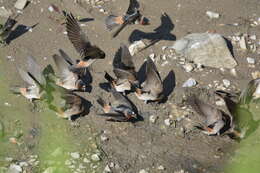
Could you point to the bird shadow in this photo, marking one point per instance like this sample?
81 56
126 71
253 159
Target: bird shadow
169 84
162 32
19 31
141 74
230 46
84 20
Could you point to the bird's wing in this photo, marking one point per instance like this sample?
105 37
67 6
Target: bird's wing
66 57
34 69
126 57
124 74
153 80
119 98
133 5
24 75
210 113
77 37
63 67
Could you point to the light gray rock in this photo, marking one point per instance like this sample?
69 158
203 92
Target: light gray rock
250 60
136 46
190 83
207 49
212 15
226 83
153 118
20 4
143 171
14 169
75 155
95 157
168 122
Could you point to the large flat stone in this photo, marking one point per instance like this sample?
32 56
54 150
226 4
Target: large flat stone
207 49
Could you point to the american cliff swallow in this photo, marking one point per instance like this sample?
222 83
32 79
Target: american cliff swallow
68 78
88 52
243 122
6 29
152 88
34 78
121 110
132 16
73 105
124 70
213 119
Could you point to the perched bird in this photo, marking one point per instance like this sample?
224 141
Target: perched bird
68 78
6 29
124 70
132 16
121 110
152 88
213 120
34 78
88 52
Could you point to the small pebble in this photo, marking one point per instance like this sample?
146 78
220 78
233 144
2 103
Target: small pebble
255 74
75 155
212 15
252 37
233 72
7 104
168 122
104 138
95 157
8 159
164 47
68 162
14 168
242 43
190 83
23 164
50 8
220 102
101 10
143 171
226 83
250 60
164 63
86 160
153 118
161 167
188 67
107 169
152 56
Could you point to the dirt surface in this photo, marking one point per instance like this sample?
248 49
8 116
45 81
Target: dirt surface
143 145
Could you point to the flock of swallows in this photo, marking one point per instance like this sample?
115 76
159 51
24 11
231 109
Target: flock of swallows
71 76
